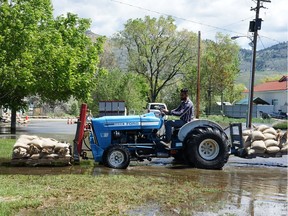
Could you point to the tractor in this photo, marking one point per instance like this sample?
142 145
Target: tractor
117 140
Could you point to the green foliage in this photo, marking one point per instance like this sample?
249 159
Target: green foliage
118 85
283 125
157 51
220 67
52 58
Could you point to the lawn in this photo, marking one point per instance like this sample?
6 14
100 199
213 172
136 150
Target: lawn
85 194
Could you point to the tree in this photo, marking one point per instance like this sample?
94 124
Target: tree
220 66
40 55
157 51
118 85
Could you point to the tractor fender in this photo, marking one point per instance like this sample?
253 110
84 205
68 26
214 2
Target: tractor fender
185 129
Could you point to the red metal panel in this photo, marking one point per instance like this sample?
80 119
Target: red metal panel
82 120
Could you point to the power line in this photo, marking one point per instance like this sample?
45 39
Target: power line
176 17
192 21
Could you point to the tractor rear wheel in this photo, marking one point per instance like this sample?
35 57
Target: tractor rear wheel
207 148
117 157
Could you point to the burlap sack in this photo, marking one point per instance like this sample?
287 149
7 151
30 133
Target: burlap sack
36 142
257 135
61 145
51 156
22 142
255 151
35 156
47 150
272 149
269 136
29 137
247 142
20 152
284 148
262 127
48 143
246 132
34 149
258 144
271 142
271 131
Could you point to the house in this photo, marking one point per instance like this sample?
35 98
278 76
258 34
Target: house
273 92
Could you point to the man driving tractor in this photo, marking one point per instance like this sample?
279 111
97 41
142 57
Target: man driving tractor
186 112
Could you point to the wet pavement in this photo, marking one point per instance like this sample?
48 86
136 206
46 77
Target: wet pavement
250 186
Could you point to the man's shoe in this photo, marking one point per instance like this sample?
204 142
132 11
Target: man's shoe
166 144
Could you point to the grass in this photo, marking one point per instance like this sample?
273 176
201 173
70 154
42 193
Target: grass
224 121
283 125
85 194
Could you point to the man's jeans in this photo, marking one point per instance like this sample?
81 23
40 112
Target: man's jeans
168 127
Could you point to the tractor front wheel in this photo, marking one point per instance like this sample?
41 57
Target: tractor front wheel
117 157
207 148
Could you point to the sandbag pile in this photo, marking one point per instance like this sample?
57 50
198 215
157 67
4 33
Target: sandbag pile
265 139
37 148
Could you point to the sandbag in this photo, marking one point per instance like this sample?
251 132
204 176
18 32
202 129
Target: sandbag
284 148
47 150
258 144
20 152
51 156
29 137
48 143
257 135
271 131
21 144
35 156
246 132
262 127
270 142
247 142
34 149
272 149
255 151
36 142
269 136
61 145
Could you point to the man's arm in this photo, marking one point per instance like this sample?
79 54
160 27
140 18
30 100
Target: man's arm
182 110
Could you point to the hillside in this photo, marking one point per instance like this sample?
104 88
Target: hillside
273 58
269 61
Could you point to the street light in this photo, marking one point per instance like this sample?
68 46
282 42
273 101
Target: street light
251 82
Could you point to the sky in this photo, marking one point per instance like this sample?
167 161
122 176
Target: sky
230 17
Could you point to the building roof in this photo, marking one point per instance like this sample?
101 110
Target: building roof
272 85
256 100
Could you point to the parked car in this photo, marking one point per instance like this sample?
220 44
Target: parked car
155 108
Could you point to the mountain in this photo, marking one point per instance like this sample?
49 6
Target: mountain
271 61
273 58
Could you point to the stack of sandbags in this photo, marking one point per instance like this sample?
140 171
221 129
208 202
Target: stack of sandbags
283 143
264 139
33 147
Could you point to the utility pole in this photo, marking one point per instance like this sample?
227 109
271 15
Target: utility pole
255 25
198 77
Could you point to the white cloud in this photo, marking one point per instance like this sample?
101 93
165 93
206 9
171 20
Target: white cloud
109 16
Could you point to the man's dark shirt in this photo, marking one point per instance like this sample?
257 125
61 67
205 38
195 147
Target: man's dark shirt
185 110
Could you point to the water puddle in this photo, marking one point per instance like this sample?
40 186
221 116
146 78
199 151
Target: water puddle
250 187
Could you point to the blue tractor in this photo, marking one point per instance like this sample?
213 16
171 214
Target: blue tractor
116 140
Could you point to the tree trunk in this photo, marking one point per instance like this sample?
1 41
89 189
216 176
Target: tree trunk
13 121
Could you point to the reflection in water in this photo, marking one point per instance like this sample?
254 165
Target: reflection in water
247 190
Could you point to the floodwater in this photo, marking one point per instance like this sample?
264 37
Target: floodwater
250 187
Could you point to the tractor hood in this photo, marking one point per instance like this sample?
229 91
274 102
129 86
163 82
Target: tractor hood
133 122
